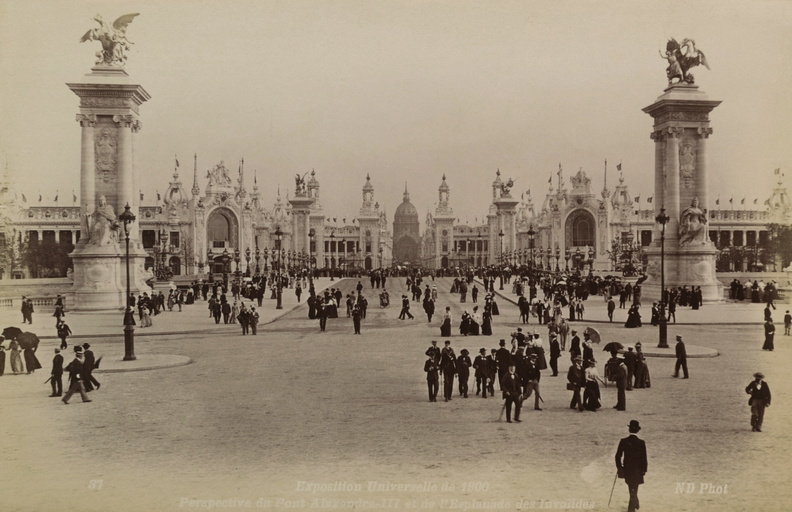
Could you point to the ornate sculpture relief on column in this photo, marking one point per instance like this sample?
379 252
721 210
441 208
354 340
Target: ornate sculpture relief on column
674 131
124 121
106 142
687 162
136 126
86 120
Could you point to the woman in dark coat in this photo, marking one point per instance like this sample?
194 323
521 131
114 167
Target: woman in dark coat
464 324
769 328
641 369
486 323
311 307
2 356
445 327
755 292
633 317
31 361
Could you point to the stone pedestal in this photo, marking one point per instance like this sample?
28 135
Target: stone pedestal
98 283
688 266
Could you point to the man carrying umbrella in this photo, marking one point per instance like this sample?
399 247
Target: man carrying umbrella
75 369
631 463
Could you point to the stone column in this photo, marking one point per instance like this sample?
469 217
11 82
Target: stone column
126 179
702 182
671 201
659 192
87 169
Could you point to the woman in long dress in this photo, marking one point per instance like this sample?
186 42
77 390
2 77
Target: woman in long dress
464 324
475 322
641 369
16 359
486 323
445 327
633 317
769 329
31 361
591 394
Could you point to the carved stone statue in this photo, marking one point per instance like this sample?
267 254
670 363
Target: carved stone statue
103 225
299 185
692 224
680 62
113 39
506 188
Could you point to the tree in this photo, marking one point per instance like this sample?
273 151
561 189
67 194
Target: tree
12 253
780 244
47 258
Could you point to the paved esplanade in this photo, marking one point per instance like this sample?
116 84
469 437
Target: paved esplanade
293 414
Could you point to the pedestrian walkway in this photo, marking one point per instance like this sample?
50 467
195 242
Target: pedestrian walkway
193 318
719 313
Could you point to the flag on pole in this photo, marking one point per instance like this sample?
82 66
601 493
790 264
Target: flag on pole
177 160
550 180
74 197
742 201
56 196
755 200
141 195
618 167
159 197
649 199
638 198
24 199
39 197
344 220
717 201
731 200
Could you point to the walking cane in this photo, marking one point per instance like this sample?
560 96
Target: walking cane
612 488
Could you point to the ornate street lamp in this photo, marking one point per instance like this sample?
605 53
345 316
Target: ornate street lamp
591 260
662 219
210 264
557 257
126 218
332 259
266 257
311 235
226 267
567 255
237 259
501 235
247 258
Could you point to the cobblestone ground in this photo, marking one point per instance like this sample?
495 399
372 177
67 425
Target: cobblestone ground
292 417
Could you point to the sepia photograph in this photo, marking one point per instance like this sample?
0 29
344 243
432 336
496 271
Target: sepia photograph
395 255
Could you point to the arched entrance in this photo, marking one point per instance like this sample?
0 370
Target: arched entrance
444 262
222 229
368 263
580 229
405 249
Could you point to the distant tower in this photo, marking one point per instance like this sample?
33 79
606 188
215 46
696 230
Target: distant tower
368 220
406 237
444 226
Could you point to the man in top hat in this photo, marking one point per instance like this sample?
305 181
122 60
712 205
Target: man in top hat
576 380
89 381
448 367
432 378
574 346
503 359
56 378
405 310
630 360
463 365
531 379
760 398
681 355
482 371
555 353
511 387
631 463
75 369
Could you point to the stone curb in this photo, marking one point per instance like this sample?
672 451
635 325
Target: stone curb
169 361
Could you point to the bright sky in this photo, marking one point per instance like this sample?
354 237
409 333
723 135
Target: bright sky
403 90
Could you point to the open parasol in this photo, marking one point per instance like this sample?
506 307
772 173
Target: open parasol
593 334
11 333
28 340
613 346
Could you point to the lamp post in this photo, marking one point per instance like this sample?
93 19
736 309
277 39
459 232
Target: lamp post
226 265
210 264
591 260
557 257
278 280
311 235
237 259
258 257
127 217
332 259
247 259
380 256
663 219
567 256
342 254
500 276
266 257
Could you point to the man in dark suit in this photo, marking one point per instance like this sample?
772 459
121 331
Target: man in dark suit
75 369
57 374
630 359
89 381
432 377
511 387
482 370
760 398
448 366
405 310
574 346
463 365
531 380
619 375
577 379
631 463
611 308
555 353
503 359
681 355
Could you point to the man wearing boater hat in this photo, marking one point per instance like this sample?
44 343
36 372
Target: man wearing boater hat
631 463
760 398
